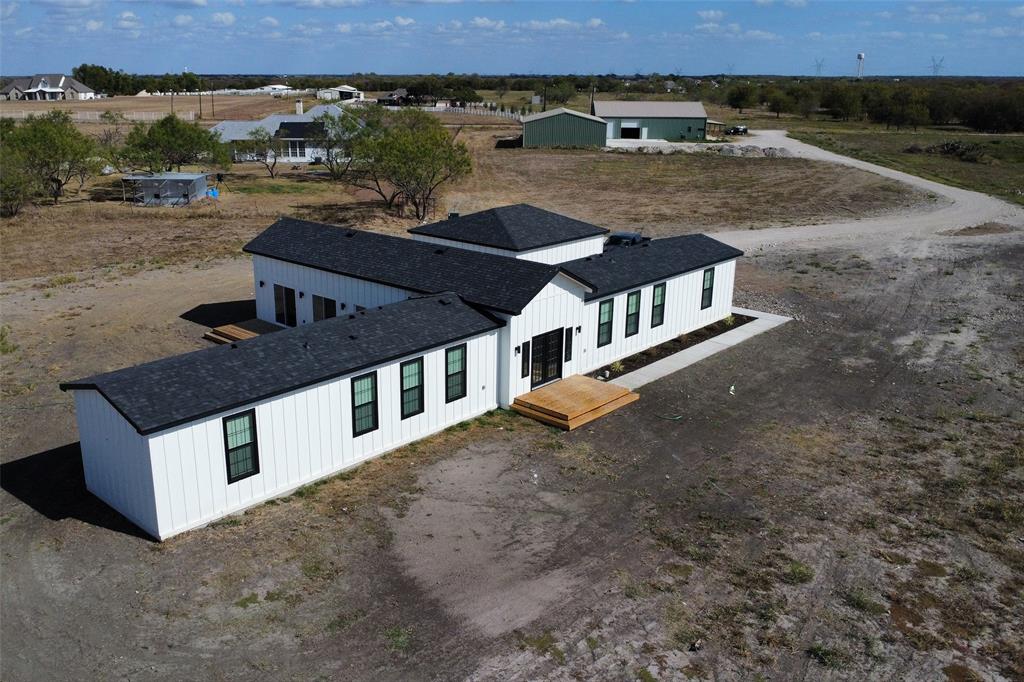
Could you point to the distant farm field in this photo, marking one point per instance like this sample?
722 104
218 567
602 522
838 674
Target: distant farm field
222 107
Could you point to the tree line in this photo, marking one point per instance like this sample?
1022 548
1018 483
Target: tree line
405 155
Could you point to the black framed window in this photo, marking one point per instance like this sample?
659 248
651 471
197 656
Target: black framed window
605 315
658 305
455 373
324 308
364 404
524 370
568 344
284 305
632 313
412 387
240 446
708 290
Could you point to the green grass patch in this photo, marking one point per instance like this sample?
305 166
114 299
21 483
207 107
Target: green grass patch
860 600
279 187
343 621
398 638
6 345
826 656
248 600
797 573
544 644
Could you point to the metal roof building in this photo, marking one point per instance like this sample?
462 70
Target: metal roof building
652 120
563 128
164 189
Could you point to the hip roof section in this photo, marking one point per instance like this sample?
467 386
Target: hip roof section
160 395
648 109
519 227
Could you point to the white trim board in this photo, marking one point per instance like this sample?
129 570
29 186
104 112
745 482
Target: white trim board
705 349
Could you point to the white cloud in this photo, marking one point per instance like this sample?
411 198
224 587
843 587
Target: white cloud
128 21
8 10
269 22
999 32
760 35
549 24
380 25
182 20
883 15
1017 11
622 36
711 15
796 3
815 35
974 18
404 21
710 27
938 36
763 3
482 22
306 30
93 25
594 22
69 4
223 18
893 35
343 28
322 4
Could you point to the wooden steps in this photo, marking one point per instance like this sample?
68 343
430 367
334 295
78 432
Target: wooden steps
240 331
573 402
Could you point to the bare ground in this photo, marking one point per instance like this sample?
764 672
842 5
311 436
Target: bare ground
854 510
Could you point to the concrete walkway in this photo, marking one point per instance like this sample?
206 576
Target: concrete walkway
704 349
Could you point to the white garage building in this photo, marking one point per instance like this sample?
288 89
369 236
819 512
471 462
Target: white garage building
410 337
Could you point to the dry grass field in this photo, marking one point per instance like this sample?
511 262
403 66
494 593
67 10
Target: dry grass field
226 107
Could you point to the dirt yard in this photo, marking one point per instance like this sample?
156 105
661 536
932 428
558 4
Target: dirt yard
662 196
839 498
224 107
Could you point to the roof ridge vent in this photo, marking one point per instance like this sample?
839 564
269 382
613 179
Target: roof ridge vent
438 252
352 337
305 344
350 233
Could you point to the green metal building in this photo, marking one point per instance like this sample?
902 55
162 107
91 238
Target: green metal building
563 128
672 121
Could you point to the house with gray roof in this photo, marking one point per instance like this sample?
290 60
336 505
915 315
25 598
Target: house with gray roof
46 87
236 133
376 341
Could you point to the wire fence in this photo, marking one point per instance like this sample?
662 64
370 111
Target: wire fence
473 111
96 116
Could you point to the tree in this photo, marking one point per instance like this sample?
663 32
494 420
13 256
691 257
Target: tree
422 156
50 151
265 147
373 164
110 141
336 137
779 102
560 92
742 96
171 143
16 184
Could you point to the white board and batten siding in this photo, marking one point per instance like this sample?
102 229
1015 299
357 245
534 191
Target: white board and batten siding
683 314
312 281
301 436
551 255
115 459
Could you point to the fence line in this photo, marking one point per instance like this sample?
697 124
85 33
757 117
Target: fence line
474 111
95 116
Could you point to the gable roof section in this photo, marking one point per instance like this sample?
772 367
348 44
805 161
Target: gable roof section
497 282
625 267
520 227
649 109
21 84
160 395
231 131
558 112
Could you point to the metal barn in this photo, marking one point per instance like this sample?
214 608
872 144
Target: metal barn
563 128
164 189
672 121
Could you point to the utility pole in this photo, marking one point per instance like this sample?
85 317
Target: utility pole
200 99
544 98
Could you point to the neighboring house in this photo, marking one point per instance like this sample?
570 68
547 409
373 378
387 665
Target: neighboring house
387 340
563 128
236 133
46 87
296 141
395 97
673 121
344 93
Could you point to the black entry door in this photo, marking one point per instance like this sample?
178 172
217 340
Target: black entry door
284 305
546 357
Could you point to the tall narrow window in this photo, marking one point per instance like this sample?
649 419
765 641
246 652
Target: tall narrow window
605 314
240 446
707 292
568 344
412 387
658 306
284 305
364 404
524 350
324 308
455 373
632 313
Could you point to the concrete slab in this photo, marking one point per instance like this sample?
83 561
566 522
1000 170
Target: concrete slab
684 358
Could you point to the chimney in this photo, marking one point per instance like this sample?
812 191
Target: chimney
298 107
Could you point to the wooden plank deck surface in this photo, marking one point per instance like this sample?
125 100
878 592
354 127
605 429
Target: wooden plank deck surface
240 331
574 401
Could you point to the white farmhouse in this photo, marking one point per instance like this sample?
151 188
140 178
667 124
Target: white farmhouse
343 93
384 340
46 87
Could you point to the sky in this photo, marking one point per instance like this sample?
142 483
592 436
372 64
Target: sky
785 37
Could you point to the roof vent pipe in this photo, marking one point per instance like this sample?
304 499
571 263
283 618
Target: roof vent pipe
298 107
452 214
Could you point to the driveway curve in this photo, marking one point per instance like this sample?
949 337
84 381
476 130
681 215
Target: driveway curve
964 208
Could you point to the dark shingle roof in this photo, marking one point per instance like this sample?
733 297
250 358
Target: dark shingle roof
516 228
299 130
165 393
624 267
497 282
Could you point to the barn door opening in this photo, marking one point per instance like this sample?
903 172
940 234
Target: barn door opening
546 358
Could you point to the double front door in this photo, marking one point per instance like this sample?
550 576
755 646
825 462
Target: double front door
546 358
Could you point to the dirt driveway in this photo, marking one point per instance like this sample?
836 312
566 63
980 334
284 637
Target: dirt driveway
840 498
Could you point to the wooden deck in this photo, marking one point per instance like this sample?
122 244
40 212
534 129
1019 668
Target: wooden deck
573 402
240 331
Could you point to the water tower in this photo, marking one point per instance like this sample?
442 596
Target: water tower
860 65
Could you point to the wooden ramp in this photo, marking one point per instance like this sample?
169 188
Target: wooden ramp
240 331
573 402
